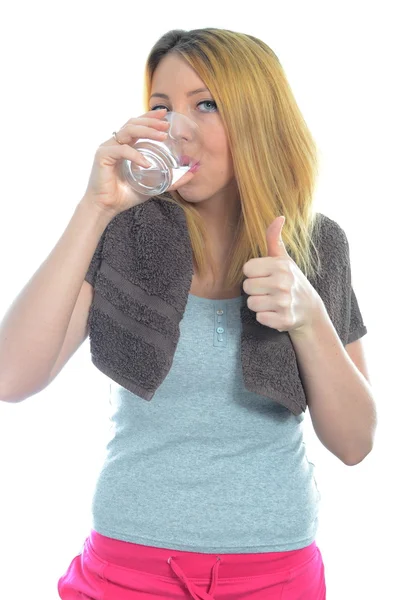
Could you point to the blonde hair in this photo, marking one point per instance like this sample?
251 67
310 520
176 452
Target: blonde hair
274 154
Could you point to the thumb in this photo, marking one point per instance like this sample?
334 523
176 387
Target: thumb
274 240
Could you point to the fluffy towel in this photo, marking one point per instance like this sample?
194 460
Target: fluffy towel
142 272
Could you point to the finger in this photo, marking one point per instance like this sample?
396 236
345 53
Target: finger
148 122
132 132
161 111
270 319
152 115
262 303
256 286
112 153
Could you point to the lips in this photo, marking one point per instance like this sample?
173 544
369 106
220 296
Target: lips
186 160
194 168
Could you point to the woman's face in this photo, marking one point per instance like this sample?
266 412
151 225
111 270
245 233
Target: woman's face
175 78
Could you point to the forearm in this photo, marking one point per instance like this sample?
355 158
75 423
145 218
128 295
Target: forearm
339 397
33 330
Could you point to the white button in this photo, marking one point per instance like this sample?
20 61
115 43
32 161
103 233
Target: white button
220 330
219 312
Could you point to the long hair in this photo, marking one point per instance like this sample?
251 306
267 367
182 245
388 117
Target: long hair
273 152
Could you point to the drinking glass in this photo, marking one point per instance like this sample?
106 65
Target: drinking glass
169 160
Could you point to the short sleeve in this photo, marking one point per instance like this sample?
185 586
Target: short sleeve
335 281
356 328
95 261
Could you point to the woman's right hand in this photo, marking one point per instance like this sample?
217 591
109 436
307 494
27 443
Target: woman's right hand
106 188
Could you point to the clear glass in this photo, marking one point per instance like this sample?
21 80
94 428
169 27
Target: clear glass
169 159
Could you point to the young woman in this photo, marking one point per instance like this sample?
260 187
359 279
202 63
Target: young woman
206 491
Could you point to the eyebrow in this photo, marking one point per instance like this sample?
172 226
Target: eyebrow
192 93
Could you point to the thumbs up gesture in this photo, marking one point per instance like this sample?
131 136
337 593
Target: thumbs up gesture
278 291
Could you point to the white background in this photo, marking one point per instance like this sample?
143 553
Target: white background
71 74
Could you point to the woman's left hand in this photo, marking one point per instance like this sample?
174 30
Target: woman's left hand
279 293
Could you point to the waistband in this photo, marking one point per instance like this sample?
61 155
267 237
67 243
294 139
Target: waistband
157 561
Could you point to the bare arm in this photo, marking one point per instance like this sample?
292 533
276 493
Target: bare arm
33 330
339 395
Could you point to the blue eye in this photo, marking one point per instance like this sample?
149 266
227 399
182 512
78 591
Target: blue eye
212 102
208 102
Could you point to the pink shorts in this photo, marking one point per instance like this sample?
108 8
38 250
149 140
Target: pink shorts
110 569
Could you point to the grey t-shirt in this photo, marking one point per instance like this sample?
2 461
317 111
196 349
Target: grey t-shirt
206 466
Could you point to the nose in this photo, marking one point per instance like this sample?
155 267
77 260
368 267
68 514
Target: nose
182 127
180 132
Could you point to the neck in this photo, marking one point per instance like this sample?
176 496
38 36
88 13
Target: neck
221 214
220 243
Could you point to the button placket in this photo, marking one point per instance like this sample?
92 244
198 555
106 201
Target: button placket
220 326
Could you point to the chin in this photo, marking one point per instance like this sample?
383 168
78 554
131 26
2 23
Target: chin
194 200
190 196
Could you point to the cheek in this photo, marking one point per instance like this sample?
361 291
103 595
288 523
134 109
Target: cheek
217 156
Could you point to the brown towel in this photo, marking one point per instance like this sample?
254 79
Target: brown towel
142 271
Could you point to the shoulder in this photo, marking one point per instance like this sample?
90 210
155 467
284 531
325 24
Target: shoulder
154 231
330 238
156 211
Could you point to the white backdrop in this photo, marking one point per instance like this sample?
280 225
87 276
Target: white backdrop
71 74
